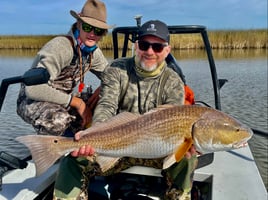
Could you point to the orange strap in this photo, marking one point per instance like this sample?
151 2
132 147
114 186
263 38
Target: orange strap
189 95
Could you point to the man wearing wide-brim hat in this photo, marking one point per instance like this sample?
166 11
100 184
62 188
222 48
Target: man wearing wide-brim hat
93 13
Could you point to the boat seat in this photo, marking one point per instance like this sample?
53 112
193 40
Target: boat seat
203 160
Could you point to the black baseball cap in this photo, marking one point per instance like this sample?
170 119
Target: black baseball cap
156 28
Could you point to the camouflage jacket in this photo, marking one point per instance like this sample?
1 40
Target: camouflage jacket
123 90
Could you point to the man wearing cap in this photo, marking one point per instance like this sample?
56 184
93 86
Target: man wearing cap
139 84
57 107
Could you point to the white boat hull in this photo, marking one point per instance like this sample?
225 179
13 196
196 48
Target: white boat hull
233 175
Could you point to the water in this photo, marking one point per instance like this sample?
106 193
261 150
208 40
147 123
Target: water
244 96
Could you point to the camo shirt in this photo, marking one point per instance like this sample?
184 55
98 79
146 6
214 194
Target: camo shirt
123 90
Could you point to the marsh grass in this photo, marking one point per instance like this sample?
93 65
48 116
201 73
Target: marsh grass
222 39
23 42
239 39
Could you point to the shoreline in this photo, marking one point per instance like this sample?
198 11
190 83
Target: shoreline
225 39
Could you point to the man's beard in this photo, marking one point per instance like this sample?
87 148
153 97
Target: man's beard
148 68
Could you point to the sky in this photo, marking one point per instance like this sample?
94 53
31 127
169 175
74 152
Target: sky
43 17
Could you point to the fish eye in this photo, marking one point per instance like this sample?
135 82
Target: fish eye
55 141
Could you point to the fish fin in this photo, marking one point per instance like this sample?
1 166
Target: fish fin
183 148
106 162
168 161
40 148
159 107
121 118
163 106
178 154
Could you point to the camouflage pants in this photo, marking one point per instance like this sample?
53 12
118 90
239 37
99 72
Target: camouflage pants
46 118
74 174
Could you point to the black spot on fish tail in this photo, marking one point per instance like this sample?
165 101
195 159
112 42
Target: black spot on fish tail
40 147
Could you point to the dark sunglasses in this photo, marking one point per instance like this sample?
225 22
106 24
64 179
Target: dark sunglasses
157 47
88 28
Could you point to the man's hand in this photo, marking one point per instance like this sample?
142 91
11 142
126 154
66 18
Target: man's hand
82 109
85 150
192 151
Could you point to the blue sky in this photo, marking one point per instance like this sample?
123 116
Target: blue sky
52 16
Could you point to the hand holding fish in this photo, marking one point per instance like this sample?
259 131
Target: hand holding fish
192 152
85 150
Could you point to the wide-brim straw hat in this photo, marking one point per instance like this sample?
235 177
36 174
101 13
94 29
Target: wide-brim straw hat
93 13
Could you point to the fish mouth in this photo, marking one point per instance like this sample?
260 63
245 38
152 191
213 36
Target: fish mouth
244 142
240 145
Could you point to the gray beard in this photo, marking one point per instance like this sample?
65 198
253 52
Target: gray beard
148 68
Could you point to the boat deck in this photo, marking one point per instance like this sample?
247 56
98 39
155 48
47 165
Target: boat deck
233 175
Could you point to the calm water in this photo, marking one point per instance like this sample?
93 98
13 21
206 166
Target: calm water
244 96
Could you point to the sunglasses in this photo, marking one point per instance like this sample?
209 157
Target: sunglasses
97 31
157 47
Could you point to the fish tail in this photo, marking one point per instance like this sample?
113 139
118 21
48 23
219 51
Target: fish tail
41 149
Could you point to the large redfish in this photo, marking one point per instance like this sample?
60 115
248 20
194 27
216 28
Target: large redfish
167 131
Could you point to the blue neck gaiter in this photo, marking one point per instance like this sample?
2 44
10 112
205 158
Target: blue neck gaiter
84 49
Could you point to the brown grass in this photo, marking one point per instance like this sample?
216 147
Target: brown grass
224 39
